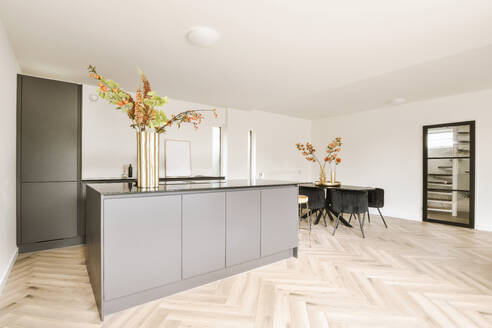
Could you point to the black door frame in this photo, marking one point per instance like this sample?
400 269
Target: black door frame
471 223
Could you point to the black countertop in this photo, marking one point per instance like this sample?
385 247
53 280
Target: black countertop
185 178
340 187
110 189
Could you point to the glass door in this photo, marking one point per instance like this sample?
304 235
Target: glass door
449 173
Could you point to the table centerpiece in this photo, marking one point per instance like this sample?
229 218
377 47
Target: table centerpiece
148 121
332 158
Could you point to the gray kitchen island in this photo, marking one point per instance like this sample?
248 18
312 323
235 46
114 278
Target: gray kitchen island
147 244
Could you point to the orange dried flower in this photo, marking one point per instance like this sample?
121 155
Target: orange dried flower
142 114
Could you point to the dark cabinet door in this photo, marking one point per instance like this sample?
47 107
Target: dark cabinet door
49 211
49 130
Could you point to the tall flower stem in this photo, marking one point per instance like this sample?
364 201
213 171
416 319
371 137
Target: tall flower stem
142 110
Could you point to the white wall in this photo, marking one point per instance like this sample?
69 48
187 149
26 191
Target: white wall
384 148
276 136
8 86
108 143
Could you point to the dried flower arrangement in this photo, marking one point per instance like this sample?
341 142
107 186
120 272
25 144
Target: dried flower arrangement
142 110
308 152
333 149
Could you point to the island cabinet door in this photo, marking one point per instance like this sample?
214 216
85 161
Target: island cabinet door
203 233
142 244
242 226
278 219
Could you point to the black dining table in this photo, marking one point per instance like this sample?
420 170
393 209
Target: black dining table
331 213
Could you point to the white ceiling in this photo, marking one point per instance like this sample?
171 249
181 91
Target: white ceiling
303 58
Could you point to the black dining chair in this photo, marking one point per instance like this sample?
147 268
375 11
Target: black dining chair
376 200
316 200
353 202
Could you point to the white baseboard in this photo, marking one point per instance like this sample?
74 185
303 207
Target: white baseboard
484 227
6 274
393 214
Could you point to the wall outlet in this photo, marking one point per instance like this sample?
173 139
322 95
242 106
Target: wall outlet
260 175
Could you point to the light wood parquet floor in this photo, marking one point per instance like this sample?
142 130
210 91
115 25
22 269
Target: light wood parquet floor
413 274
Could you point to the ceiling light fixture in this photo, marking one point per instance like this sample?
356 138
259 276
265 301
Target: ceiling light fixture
202 36
397 101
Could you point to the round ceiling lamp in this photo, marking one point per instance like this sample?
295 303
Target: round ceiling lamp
202 36
397 101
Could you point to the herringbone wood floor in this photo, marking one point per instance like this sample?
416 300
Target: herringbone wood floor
412 275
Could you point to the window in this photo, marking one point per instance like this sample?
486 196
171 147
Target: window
251 154
217 150
440 139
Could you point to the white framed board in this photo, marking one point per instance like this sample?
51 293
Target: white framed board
177 158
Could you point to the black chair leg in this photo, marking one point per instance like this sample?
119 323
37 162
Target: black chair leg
368 217
324 217
361 223
327 211
382 217
350 218
336 224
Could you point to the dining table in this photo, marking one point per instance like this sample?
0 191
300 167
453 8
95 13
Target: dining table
331 213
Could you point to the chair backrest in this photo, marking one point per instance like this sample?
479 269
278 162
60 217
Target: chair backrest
376 198
349 201
316 197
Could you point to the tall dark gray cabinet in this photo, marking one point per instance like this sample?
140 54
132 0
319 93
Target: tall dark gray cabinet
48 163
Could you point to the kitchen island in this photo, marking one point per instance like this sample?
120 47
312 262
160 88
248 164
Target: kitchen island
147 244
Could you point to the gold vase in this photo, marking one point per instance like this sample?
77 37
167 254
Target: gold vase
333 173
147 160
333 177
322 176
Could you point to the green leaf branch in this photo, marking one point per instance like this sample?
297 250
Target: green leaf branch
141 110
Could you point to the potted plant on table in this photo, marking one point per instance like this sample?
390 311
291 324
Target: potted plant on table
148 121
332 157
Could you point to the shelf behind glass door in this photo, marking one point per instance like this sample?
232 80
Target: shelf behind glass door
448 174
453 206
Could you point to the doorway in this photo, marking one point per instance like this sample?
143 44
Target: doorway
449 174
